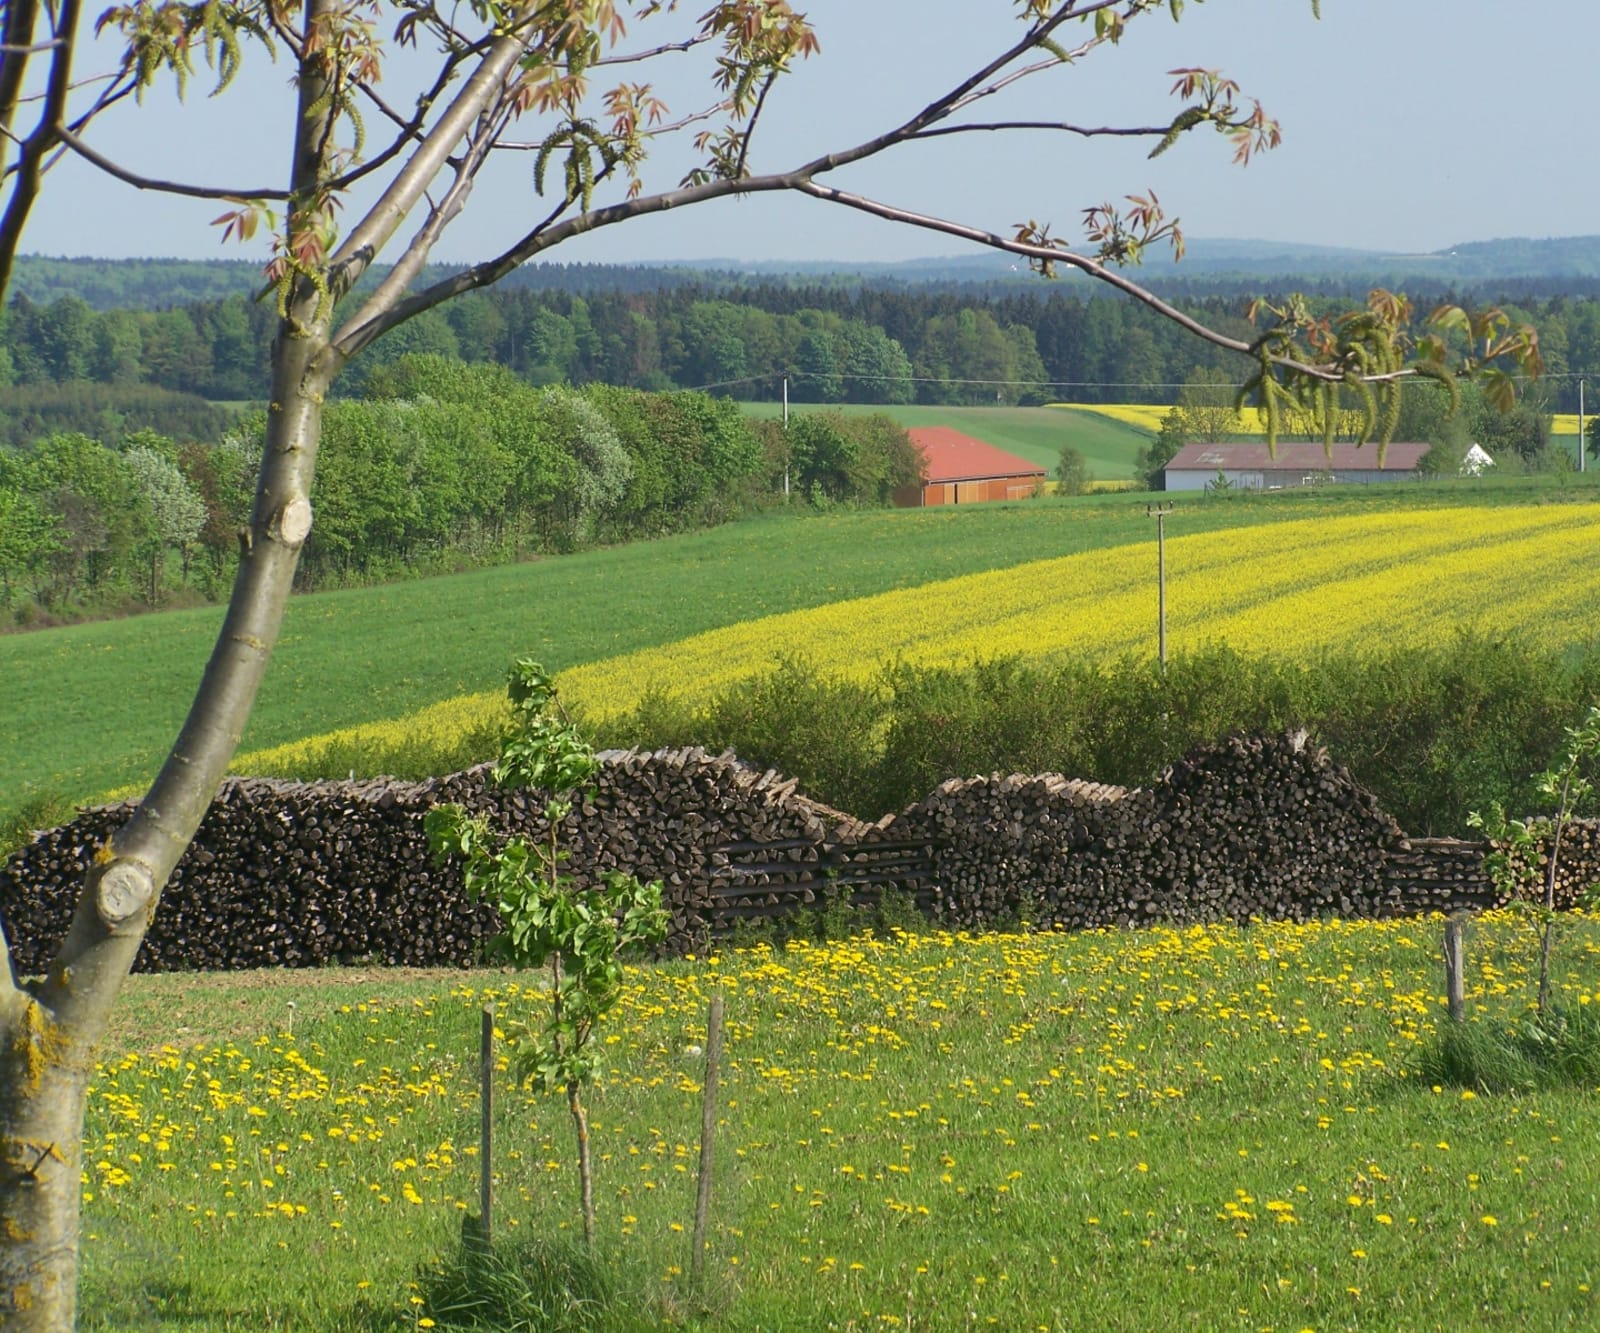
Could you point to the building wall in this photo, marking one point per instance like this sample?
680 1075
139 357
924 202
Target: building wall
1185 480
965 492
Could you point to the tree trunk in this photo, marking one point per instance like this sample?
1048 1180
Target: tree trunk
580 1124
50 1027
43 1076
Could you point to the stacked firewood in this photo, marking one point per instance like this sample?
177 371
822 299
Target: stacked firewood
287 874
671 815
299 875
1577 867
1250 827
279 875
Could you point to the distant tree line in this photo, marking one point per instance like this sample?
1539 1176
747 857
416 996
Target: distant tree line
441 465
836 344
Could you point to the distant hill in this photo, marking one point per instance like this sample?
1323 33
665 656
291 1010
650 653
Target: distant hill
1209 265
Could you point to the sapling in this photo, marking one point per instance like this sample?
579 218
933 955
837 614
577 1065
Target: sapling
548 919
1513 864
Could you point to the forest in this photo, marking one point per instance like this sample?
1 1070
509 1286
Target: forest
859 342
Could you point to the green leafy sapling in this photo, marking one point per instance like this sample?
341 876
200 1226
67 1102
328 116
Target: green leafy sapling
548 919
1513 862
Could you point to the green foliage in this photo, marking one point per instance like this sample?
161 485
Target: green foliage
525 1285
1552 1048
842 458
547 918
1429 731
1151 462
1519 845
1072 473
105 411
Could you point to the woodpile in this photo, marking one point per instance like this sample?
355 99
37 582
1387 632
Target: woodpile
1250 827
299 875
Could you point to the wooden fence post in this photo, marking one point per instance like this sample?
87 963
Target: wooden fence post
486 1124
1455 965
708 1132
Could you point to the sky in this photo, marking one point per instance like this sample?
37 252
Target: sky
1408 126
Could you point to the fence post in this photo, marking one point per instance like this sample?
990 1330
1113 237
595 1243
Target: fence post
708 1131
1455 965
486 1123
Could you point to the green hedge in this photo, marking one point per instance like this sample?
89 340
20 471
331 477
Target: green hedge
1434 733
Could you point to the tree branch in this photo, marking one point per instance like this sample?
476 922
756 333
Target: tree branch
941 107
415 256
373 232
121 888
1101 272
750 126
25 181
655 132
133 178
21 16
1060 126
666 48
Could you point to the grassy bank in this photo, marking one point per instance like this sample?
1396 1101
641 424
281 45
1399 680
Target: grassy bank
1215 1129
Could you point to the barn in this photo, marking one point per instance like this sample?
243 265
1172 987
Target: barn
1253 466
962 470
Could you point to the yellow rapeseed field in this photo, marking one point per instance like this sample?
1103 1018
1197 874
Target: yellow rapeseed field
1291 588
1146 416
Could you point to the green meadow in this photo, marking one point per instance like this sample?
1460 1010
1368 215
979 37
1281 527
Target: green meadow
1033 433
90 708
1215 1128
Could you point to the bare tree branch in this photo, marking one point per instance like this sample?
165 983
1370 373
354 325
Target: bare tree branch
750 125
21 16
415 256
657 132
1059 126
139 182
667 48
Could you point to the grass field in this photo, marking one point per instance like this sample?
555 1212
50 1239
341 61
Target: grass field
89 708
1034 433
1216 1129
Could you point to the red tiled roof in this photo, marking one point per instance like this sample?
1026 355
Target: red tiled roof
952 456
1295 457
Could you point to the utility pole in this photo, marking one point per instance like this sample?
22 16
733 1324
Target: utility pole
786 438
1581 467
1159 512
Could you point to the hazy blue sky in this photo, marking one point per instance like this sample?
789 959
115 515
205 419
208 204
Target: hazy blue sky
1408 125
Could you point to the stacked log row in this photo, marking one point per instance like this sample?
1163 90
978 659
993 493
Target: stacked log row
279 875
672 815
1441 875
284 874
1260 827
1250 827
1009 849
1577 866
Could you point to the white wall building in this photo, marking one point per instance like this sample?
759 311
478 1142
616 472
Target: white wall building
1254 467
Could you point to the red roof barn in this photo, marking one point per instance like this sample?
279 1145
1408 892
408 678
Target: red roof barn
962 470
